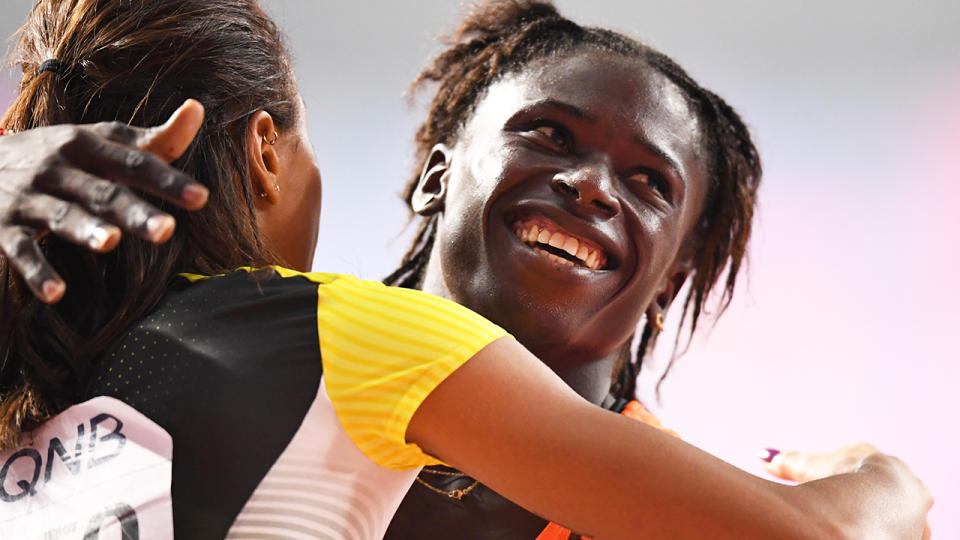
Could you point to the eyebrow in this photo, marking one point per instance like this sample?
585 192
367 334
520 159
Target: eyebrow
577 112
564 106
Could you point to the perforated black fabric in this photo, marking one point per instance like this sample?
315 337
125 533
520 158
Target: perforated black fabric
229 367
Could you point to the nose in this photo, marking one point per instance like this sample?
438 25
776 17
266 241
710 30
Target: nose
591 186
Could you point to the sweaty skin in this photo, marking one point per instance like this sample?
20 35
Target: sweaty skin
504 414
591 146
607 150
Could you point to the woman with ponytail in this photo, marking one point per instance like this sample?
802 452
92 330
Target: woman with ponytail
173 388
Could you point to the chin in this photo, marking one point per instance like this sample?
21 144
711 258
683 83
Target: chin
541 324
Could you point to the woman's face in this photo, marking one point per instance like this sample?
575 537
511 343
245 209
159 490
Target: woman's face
569 196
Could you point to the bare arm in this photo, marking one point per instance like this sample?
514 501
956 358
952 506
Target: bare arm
509 421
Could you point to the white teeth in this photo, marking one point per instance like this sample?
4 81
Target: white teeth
533 234
554 258
557 240
592 260
560 260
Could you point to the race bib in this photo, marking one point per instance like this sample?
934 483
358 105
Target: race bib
98 470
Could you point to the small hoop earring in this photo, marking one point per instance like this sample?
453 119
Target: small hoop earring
272 141
659 321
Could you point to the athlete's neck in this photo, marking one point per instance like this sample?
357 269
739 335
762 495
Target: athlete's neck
588 375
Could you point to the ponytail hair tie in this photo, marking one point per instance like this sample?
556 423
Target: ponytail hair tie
53 65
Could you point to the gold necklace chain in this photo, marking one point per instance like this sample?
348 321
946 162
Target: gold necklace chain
456 494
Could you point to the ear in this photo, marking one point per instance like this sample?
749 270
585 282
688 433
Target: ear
263 159
431 190
669 289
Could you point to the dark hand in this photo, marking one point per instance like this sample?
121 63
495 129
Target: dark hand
72 181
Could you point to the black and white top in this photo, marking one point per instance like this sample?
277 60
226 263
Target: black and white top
256 404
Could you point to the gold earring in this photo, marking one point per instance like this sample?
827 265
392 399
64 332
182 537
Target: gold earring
272 141
659 321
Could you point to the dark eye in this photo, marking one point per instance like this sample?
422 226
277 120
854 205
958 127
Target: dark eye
553 135
652 180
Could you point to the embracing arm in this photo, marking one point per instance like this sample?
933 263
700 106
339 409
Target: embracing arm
506 419
503 417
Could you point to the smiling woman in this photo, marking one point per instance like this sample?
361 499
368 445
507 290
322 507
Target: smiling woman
562 144
634 153
572 181
348 386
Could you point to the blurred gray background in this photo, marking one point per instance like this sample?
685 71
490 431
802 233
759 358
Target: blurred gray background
846 330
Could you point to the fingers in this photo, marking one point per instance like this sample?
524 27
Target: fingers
76 187
25 257
788 466
140 157
68 221
112 202
804 467
170 141
147 172
130 166
914 499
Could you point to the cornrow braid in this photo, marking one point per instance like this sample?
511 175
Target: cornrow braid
500 37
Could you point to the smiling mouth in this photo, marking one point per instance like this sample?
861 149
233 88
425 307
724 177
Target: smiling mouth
552 241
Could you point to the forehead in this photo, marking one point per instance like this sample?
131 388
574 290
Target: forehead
604 83
625 96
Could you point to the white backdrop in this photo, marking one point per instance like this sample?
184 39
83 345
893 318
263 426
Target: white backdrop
846 328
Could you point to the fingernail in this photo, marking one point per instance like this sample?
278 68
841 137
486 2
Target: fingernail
195 195
99 238
160 227
52 290
767 454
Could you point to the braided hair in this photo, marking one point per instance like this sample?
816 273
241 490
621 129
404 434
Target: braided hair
500 37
